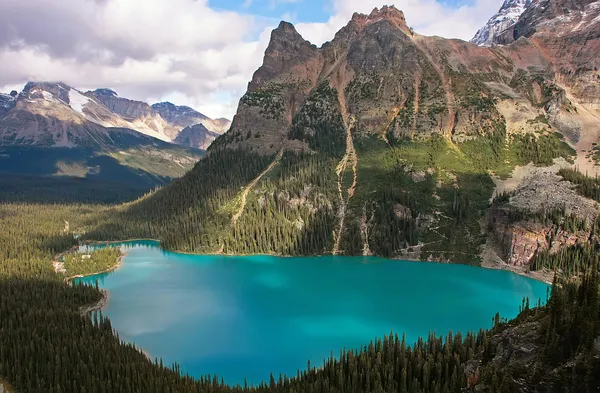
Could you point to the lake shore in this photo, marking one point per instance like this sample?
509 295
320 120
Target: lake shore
110 269
489 261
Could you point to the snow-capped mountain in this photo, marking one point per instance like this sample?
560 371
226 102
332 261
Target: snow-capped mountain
498 30
55 114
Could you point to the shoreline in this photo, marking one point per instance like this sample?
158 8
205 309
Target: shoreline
541 276
110 269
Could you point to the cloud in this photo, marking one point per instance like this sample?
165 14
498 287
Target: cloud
427 17
143 50
182 50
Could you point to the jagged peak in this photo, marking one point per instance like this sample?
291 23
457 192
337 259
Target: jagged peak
286 27
389 13
286 31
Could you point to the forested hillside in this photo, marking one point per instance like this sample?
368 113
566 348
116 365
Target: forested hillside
48 346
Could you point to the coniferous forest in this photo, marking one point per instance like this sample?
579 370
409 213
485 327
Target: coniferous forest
47 345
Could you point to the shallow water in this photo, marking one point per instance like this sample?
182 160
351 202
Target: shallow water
245 317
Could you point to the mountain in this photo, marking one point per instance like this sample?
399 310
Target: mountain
52 134
523 18
494 30
196 136
184 116
139 115
386 142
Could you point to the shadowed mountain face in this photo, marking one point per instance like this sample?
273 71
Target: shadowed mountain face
196 136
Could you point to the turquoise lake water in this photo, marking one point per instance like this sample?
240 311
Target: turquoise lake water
245 317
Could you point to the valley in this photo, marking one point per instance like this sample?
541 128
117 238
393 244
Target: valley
357 160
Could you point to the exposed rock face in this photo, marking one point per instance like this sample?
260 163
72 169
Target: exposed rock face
139 113
541 191
566 16
184 116
519 242
396 83
196 136
501 24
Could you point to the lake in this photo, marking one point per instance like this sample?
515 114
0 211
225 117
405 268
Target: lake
245 317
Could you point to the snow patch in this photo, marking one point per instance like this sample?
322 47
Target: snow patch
507 16
78 101
48 96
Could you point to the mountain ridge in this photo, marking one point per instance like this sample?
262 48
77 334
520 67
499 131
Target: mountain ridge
103 107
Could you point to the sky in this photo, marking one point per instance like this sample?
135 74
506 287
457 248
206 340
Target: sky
200 53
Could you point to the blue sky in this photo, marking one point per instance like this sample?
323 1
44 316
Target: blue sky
294 10
200 53
298 10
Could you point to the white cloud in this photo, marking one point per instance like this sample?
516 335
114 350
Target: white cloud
181 50
427 17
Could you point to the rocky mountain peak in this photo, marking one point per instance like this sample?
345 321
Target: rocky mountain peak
388 13
286 48
106 92
47 90
498 30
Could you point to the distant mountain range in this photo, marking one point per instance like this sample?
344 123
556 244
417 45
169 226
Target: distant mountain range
54 114
52 129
